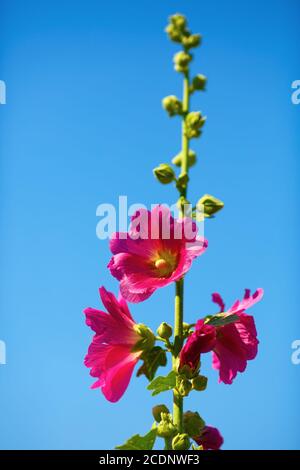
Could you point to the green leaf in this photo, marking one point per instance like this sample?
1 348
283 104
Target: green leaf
197 447
220 319
153 359
138 442
163 383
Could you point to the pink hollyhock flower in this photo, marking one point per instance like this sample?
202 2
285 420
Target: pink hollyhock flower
232 345
210 438
202 340
111 354
236 342
156 251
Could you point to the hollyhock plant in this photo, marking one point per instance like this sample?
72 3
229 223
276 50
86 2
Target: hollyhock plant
210 438
114 350
157 251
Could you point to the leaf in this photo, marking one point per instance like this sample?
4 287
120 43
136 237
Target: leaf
197 447
138 442
163 383
220 319
153 359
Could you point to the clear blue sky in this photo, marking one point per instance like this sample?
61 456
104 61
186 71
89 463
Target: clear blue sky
82 125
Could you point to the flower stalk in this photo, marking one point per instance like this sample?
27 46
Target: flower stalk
142 263
179 285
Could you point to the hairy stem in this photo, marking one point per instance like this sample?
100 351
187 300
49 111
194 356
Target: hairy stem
178 321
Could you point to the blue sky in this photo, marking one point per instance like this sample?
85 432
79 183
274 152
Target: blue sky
82 125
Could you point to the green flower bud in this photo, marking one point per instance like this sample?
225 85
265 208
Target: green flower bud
179 21
147 340
184 205
158 410
183 385
181 61
186 327
199 383
164 173
181 442
193 123
199 82
166 428
210 205
192 158
192 423
186 371
174 33
164 330
172 105
182 181
193 40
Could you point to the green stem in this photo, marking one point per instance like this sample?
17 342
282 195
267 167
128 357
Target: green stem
178 321
168 443
185 140
178 330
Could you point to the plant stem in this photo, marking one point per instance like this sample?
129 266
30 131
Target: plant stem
178 321
168 443
185 140
177 399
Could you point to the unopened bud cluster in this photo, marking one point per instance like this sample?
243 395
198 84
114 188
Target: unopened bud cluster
178 31
181 61
194 121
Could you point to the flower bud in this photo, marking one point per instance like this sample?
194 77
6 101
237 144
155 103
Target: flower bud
177 160
158 410
177 28
172 105
174 33
192 40
183 386
166 428
186 327
193 123
147 340
182 181
199 383
210 205
164 330
181 61
164 173
192 423
181 442
179 21
199 83
186 371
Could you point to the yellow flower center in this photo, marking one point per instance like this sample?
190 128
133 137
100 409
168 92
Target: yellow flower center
165 263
